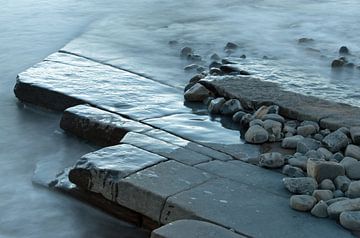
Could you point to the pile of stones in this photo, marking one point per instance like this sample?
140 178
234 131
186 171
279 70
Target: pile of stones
343 61
323 173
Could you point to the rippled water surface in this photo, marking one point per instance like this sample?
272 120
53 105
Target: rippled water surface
30 30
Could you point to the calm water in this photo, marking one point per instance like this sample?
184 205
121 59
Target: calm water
30 30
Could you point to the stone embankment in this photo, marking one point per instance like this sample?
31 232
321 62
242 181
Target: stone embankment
158 167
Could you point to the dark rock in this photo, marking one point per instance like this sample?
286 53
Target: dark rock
215 105
226 69
299 161
197 93
186 51
307 144
338 194
320 210
256 135
344 50
320 169
305 40
327 184
230 107
292 171
337 63
214 64
303 185
342 183
238 115
191 67
336 141
215 71
231 46
243 56
302 203
226 61
274 117
173 42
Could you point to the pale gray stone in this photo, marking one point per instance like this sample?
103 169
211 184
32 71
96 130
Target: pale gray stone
335 209
215 105
292 171
350 220
304 185
256 135
352 167
327 184
274 117
320 210
197 93
193 229
353 151
342 183
291 142
307 144
186 51
152 186
302 203
306 130
355 134
230 107
320 169
323 195
336 141
271 160
313 123
256 122
353 190
273 128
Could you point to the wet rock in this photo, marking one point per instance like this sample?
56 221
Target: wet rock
238 115
215 71
338 194
342 183
307 144
231 46
292 171
274 109
230 107
226 69
173 42
215 57
355 135
353 190
337 63
256 135
324 153
191 67
302 203
257 122
353 151
327 184
215 105
303 185
263 110
194 57
336 141
271 160
335 209
244 72
344 50
306 130
320 210
207 100
274 117
337 156
305 40
196 78
200 69
299 161
197 93
321 170
245 120
273 128
350 220
323 195
214 64
352 167
226 61
243 56
186 51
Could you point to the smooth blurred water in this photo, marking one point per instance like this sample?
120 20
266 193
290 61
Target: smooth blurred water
30 139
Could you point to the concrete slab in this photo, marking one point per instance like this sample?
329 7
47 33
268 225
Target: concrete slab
99 171
247 210
197 128
175 140
98 126
244 152
165 149
248 174
65 82
193 229
292 105
147 190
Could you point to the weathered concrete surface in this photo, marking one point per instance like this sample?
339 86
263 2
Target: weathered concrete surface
244 152
165 149
247 210
193 229
175 140
65 80
248 174
100 170
147 190
99 126
292 105
198 128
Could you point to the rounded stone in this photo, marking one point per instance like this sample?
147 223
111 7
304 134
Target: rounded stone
230 107
186 51
306 130
320 210
335 209
215 57
344 50
274 117
353 151
215 105
271 160
197 93
238 115
257 122
291 142
327 184
302 203
350 220
342 183
256 135
353 190
303 185
323 195
293 171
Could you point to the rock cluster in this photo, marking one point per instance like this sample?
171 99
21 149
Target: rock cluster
343 60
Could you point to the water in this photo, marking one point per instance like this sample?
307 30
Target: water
30 30
30 139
